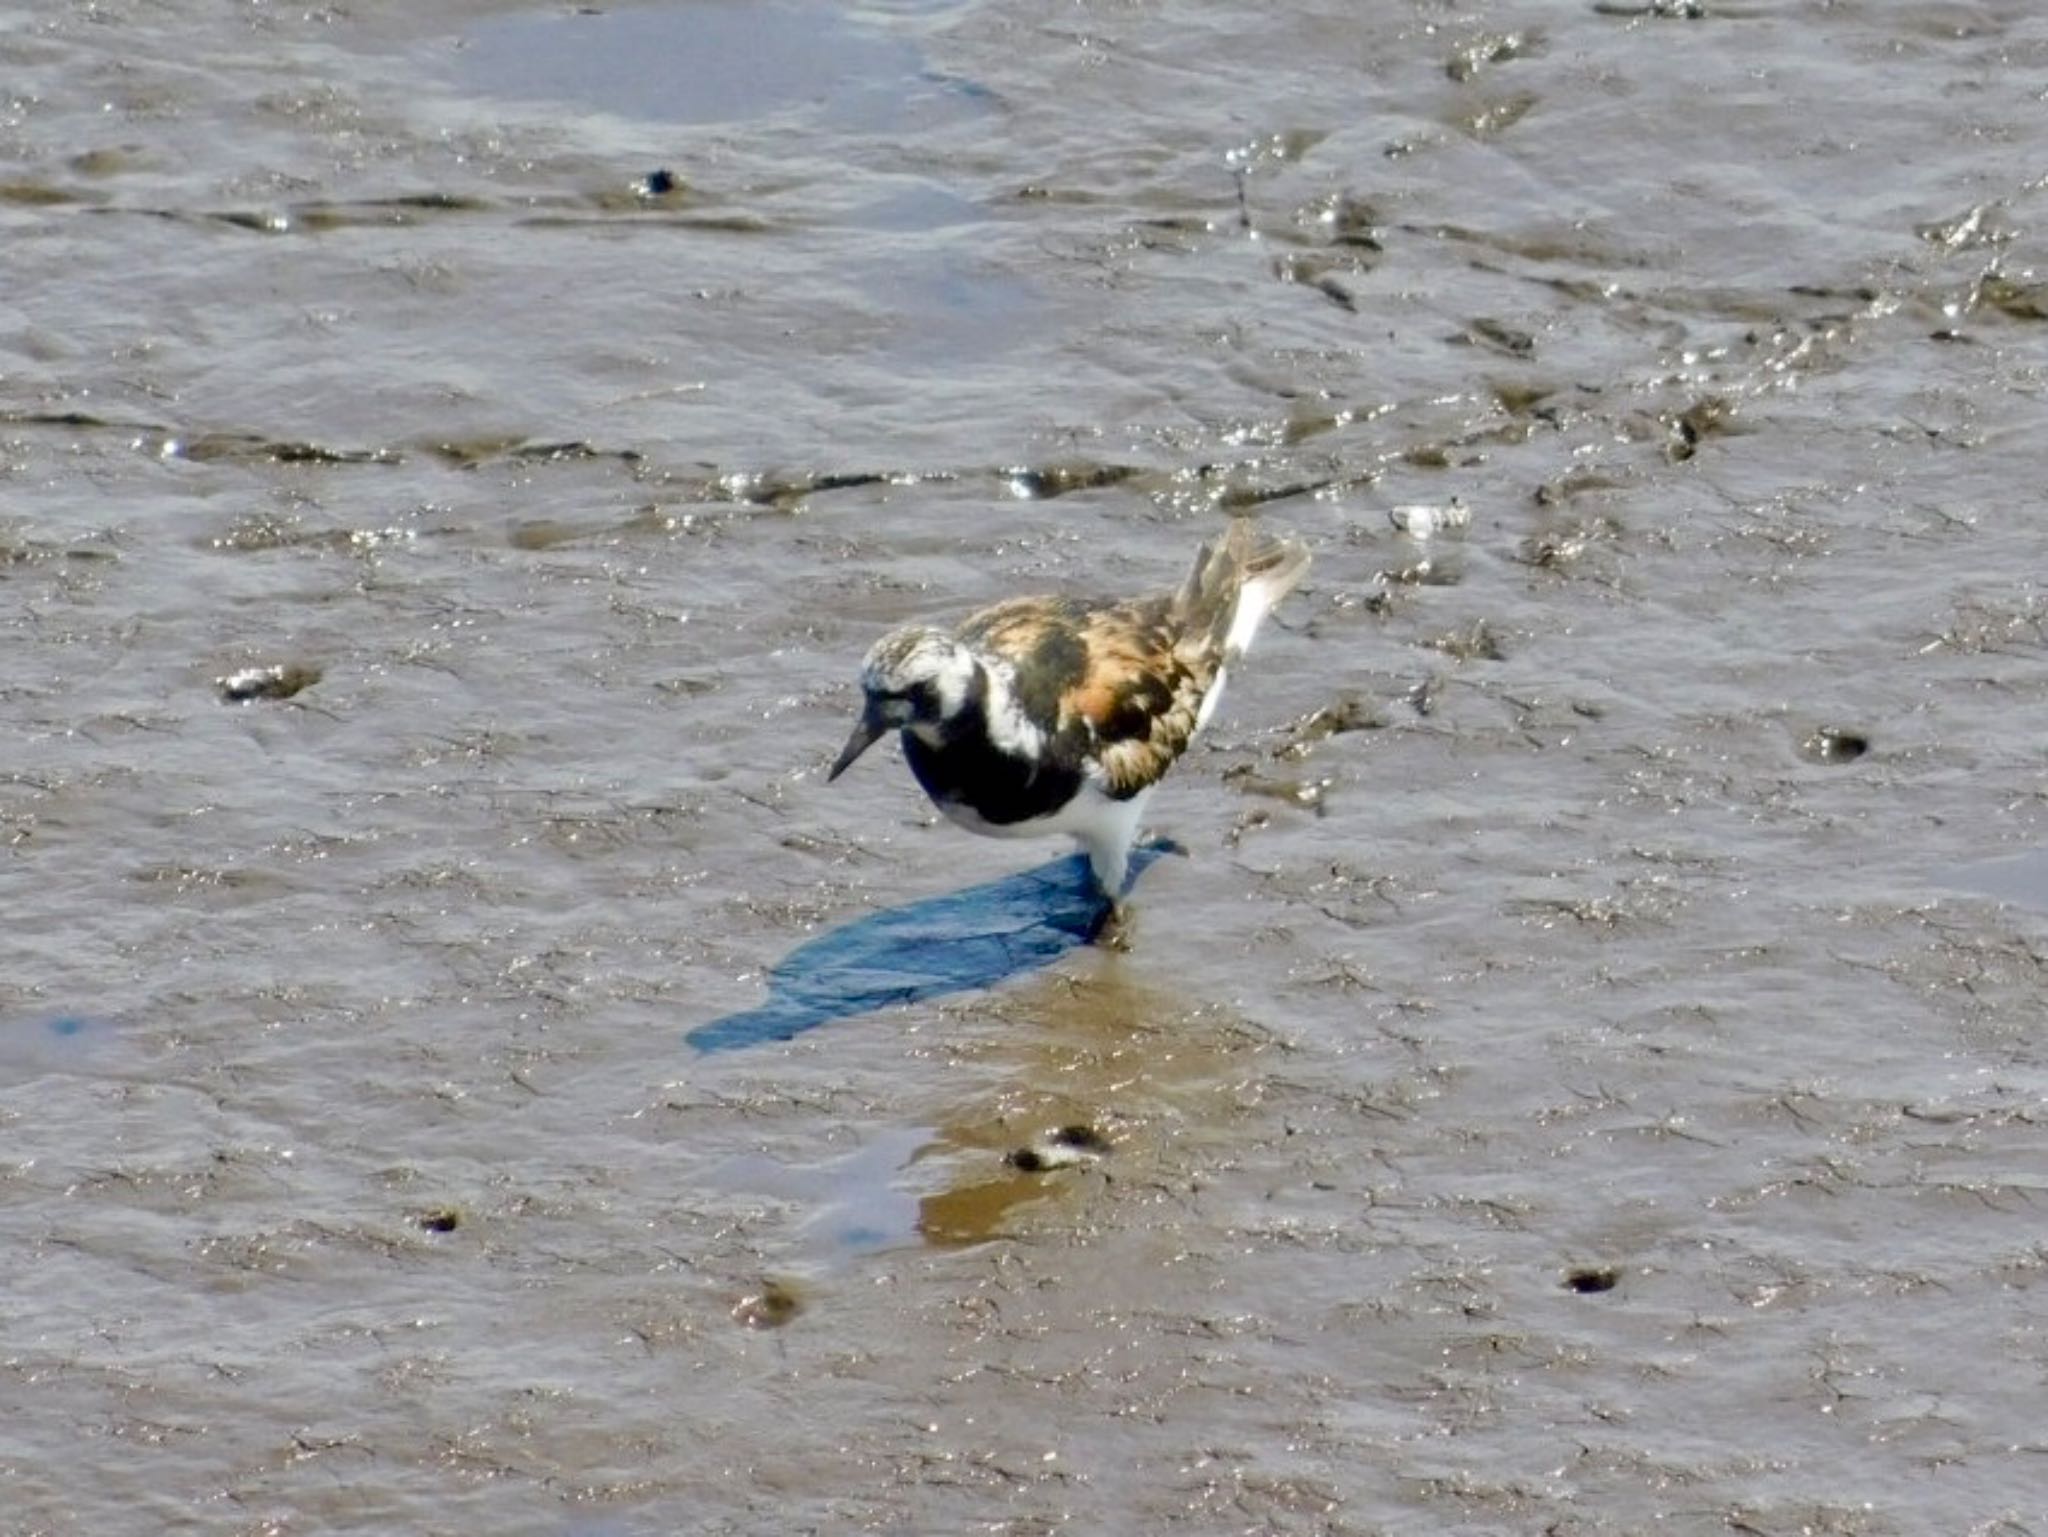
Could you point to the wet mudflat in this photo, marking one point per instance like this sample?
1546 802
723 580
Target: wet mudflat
1588 1075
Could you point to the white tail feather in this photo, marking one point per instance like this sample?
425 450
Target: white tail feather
1282 565
1255 600
1261 578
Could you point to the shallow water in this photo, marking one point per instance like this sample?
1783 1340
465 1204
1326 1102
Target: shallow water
1596 893
718 62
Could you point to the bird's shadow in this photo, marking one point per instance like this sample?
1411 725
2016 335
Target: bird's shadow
947 944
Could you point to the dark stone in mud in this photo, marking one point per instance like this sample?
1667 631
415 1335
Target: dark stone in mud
1588 1279
1084 1139
774 1305
1061 1148
253 683
1834 746
442 1219
1498 335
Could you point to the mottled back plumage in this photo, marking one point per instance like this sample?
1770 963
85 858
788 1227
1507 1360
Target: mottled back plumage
1124 683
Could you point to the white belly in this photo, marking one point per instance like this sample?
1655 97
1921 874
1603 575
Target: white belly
1103 826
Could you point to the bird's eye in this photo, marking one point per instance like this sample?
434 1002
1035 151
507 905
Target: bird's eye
924 701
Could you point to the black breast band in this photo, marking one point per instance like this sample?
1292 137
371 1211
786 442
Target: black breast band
1000 787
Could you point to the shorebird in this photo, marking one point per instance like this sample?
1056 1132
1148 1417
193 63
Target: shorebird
1060 715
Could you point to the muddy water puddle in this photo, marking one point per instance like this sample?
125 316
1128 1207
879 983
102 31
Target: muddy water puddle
721 61
1586 1073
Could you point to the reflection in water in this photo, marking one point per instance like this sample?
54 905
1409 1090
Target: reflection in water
858 1203
948 944
976 1211
864 1204
1092 1071
1086 1068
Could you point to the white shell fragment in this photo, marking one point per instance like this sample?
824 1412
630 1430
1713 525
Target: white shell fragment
1424 520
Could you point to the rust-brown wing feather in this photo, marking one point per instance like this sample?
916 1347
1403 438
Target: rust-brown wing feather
1142 693
1040 639
1117 684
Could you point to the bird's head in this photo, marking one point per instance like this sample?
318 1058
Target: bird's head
914 679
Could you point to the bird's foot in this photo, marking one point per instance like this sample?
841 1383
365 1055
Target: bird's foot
1112 929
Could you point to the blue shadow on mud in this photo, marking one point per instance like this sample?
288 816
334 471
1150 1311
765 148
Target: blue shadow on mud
949 944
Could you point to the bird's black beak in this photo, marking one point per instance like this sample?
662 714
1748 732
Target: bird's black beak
866 732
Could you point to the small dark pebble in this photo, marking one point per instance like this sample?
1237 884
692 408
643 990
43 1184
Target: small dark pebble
265 683
774 1305
444 1219
1086 1138
1500 336
658 183
1829 745
1593 1278
1029 1159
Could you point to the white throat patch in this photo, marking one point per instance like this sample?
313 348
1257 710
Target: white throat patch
953 677
1008 726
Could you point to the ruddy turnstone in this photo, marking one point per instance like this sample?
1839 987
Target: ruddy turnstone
1059 715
